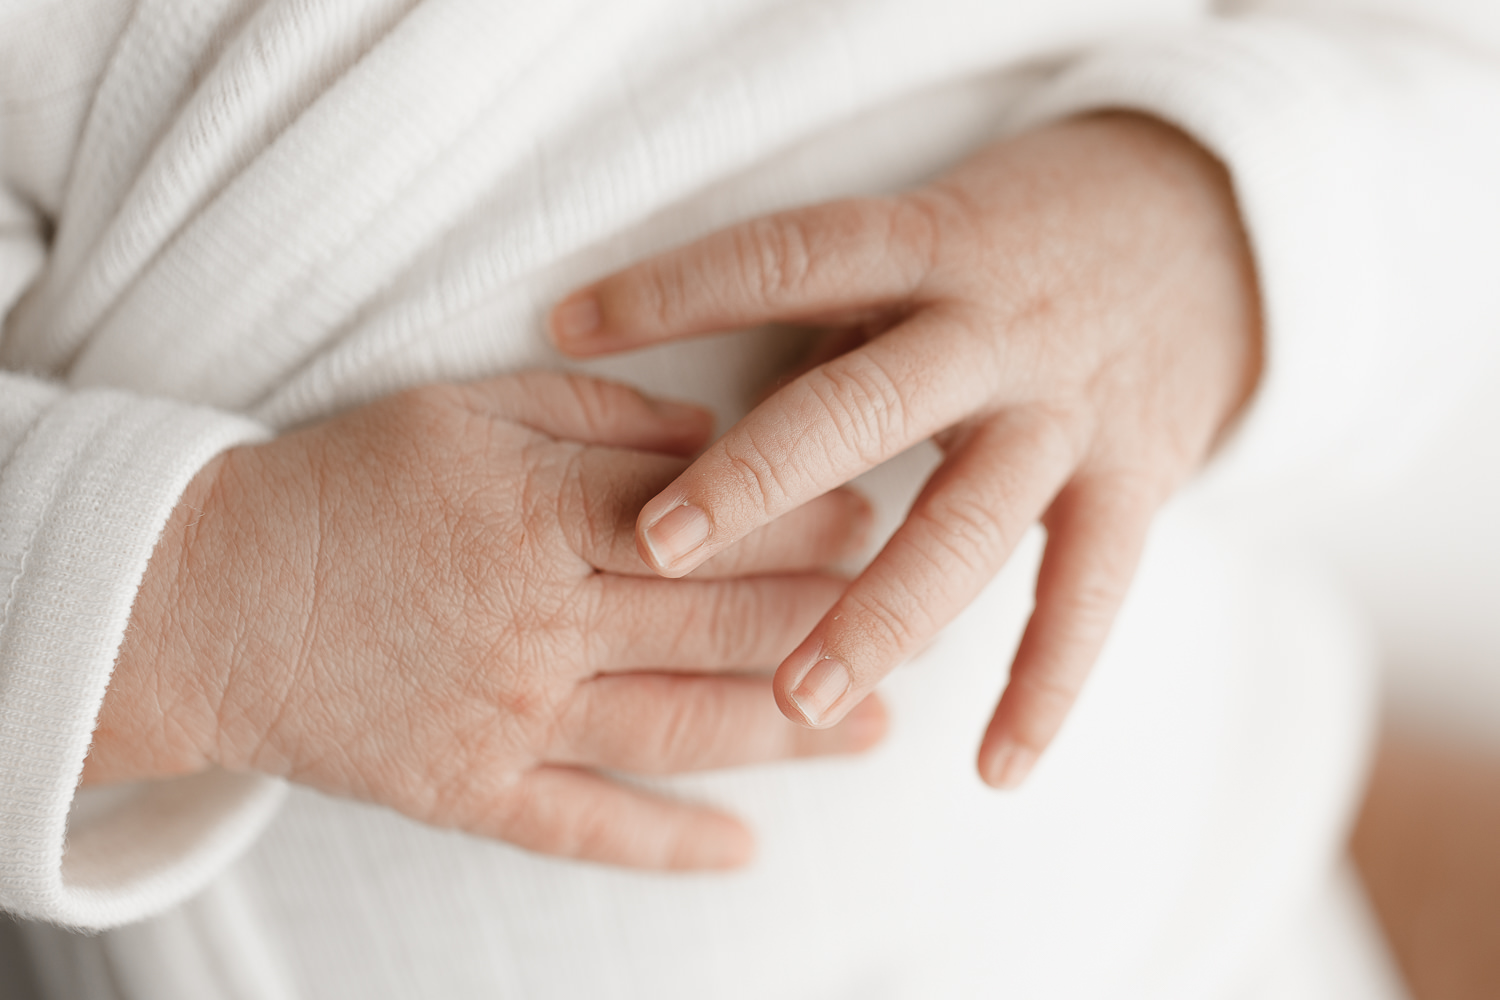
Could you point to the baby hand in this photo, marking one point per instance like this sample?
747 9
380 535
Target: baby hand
1073 315
435 603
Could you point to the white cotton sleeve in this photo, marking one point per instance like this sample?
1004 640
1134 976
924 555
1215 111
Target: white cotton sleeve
1364 150
87 482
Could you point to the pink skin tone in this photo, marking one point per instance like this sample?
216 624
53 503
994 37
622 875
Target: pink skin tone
445 602
1071 314
434 603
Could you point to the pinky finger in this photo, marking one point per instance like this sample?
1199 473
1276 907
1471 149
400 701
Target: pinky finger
574 813
1095 532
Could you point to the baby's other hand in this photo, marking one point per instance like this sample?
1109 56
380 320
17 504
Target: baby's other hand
434 603
1071 313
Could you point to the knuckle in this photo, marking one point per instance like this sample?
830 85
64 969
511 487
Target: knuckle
966 531
595 403
689 631
587 516
526 706
748 461
681 736
863 403
1093 601
1050 695
663 291
776 255
893 623
732 620
933 219
915 228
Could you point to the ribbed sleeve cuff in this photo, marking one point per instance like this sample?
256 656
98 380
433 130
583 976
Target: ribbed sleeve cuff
1320 126
84 496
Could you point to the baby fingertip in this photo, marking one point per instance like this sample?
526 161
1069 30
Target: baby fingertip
668 543
576 319
822 685
721 842
1008 766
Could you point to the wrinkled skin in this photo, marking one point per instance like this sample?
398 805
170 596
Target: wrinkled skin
435 603
1071 313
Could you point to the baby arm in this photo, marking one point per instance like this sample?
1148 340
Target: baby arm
1072 314
435 603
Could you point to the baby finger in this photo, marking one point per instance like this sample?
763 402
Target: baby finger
706 625
667 724
1095 533
958 535
576 814
800 264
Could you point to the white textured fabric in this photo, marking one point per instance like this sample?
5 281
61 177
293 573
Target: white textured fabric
88 484
218 219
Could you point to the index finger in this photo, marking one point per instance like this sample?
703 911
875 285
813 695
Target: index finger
830 425
796 265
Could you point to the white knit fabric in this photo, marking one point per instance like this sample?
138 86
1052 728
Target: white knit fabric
90 479
219 218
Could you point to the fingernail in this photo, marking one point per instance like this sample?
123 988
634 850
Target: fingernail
576 318
675 535
1010 766
820 688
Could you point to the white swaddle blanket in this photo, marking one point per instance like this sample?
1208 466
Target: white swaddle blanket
249 215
